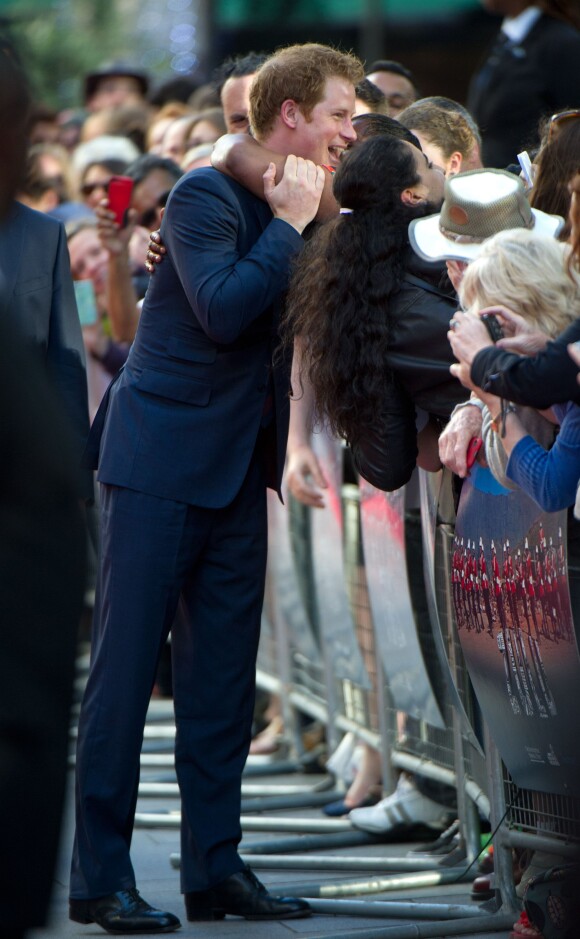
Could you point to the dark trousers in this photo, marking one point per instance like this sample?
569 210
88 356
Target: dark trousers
154 554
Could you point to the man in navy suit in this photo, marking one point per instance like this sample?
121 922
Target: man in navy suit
187 439
41 306
42 536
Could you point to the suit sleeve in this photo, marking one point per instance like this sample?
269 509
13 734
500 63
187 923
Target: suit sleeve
227 291
539 381
65 357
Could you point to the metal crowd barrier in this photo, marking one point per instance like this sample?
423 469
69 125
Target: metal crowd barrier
360 636
519 570
299 667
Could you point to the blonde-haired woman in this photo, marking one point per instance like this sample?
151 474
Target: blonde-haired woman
531 276
528 274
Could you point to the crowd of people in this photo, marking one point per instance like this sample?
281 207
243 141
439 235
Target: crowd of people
328 249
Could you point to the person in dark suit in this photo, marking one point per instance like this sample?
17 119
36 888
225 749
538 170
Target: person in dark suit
40 304
187 439
530 72
42 549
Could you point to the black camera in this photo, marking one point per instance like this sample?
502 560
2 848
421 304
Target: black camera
492 323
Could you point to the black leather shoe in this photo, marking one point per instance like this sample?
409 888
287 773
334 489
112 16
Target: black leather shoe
122 912
242 894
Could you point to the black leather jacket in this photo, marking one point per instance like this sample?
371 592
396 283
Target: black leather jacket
419 358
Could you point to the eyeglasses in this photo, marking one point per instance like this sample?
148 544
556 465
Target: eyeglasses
87 189
557 120
148 218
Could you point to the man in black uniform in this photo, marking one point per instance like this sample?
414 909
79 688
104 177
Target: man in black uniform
530 72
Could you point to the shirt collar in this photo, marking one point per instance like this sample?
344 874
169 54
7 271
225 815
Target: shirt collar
517 28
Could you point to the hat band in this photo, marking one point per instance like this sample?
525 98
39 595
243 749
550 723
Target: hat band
476 239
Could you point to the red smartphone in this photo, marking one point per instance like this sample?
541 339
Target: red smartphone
472 450
119 194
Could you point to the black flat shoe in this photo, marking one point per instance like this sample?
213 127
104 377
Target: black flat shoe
339 808
242 894
123 912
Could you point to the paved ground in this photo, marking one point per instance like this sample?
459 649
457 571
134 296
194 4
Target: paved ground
158 879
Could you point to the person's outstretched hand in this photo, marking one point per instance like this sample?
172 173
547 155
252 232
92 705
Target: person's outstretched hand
304 476
112 236
454 439
155 251
468 335
519 334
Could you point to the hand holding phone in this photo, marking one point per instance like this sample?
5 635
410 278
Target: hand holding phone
473 449
119 195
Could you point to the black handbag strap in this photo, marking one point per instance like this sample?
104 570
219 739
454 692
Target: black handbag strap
425 285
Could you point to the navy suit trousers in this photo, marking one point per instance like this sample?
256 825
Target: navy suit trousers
156 554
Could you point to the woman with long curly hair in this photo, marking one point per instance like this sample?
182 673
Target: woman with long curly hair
370 316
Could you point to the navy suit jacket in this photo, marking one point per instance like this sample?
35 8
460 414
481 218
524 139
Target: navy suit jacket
40 305
182 419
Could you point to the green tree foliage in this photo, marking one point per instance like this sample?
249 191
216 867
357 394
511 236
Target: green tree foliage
61 40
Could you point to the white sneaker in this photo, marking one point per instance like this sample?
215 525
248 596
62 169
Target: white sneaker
405 806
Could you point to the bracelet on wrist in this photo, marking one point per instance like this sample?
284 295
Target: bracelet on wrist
498 423
474 401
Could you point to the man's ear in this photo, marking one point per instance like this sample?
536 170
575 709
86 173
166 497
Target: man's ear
289 112
454 164
410 197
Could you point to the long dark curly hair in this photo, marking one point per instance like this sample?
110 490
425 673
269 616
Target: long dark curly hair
342 282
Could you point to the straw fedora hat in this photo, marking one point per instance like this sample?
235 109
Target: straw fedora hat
476 206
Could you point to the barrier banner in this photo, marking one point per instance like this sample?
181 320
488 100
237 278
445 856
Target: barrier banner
383 533
336 620
435 491
514 618
285 597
